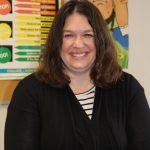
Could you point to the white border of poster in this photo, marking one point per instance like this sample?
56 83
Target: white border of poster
24 25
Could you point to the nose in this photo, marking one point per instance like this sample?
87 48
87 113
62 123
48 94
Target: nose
78 42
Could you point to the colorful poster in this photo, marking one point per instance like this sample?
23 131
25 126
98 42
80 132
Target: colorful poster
24 25
115 12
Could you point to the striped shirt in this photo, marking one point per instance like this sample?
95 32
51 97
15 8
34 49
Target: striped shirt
86 100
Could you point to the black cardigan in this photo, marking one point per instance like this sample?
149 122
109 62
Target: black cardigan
41 117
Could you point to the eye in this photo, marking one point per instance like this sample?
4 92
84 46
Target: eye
88 35
68 35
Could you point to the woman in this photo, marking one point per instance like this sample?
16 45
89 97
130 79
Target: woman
79 99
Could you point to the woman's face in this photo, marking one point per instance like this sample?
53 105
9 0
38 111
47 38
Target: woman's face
78 50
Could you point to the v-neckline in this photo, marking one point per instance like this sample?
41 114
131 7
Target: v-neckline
84 128
83 113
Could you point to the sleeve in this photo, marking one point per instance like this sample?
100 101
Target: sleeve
138 120
22 127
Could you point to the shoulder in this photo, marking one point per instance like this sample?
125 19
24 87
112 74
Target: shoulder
29 83
33 85
129 81
30 92
30 79
130 87
32 82
29 86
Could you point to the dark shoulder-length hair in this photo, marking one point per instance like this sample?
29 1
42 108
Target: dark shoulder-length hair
105 70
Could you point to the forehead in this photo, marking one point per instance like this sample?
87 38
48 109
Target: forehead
77 21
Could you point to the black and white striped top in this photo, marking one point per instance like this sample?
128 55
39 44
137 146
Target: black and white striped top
86 100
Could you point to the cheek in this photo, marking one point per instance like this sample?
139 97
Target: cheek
63 53
66 44
93 48
63 48
91 45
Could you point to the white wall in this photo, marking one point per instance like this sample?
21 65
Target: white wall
139 54
2 122
139 42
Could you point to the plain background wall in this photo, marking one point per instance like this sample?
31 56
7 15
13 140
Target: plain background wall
139 51
139 42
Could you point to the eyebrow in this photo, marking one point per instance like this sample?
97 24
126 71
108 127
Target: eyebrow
89 30
100 1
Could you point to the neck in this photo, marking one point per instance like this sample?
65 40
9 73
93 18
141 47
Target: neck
80 82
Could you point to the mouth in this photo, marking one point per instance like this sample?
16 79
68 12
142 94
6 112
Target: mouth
79 55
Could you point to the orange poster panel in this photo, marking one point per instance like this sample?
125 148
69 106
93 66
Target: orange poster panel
6 90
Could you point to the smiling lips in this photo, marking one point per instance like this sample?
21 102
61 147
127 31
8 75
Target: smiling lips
78 54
